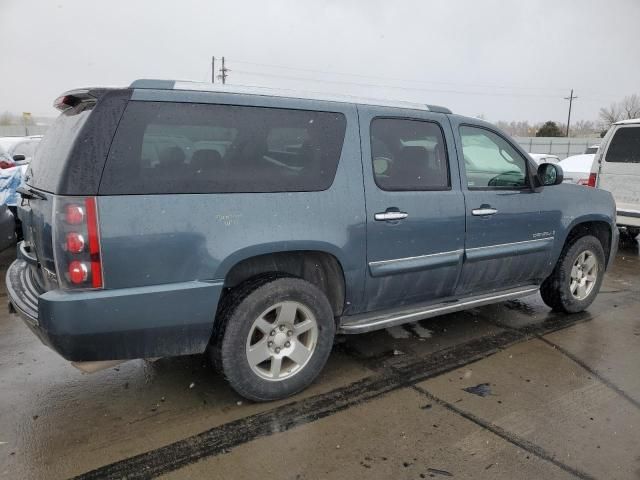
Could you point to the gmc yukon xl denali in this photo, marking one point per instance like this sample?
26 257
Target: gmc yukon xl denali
173 218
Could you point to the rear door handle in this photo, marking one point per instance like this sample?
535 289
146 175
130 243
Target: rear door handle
385 216
481 212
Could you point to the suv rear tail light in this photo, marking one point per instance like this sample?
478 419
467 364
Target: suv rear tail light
6 164
74 214
77 242
592 180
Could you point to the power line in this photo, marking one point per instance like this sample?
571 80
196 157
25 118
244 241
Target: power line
400 87
513 87
597 96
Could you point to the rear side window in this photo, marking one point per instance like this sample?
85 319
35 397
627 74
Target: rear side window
54 149
625 146
408 155
163 147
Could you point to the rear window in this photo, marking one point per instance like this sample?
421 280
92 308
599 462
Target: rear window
54 148
625 146
163 147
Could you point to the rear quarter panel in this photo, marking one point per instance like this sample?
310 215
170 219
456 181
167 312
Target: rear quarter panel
162 239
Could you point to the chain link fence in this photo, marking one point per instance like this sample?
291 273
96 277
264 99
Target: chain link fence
563 147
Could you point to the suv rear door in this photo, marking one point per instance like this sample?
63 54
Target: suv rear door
620 171
510 226
415 209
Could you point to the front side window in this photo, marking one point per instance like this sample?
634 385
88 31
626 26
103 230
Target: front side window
408 155
625 146
490 161
164 147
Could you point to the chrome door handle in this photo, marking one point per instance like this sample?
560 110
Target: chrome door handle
481 212
383 216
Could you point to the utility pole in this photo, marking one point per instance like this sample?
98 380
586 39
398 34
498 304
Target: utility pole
213 69
571 98
223 72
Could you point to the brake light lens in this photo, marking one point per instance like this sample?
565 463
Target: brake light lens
78 272
592 180
77 242
74 214
6 164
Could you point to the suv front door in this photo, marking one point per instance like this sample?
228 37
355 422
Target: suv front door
415 209
510 226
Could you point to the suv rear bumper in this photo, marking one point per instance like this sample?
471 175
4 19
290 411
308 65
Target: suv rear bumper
138 322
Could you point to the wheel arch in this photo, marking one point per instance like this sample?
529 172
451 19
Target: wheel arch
317 264
596 225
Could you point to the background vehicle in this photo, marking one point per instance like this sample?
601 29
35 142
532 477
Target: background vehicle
577 169
540 158
592 149
23 148
617 169
255 225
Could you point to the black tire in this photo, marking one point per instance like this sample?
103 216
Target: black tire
555 290
236 315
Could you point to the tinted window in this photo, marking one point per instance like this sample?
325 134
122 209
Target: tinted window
625 146
54 148
408 155
163 147
490 161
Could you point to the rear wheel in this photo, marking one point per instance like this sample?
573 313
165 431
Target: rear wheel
276 335
577 277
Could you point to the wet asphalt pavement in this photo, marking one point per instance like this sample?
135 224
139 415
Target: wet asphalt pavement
505 391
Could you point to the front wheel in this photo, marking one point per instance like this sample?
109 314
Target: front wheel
577 277
276 335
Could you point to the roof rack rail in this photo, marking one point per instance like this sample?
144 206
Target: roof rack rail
276 92
439 109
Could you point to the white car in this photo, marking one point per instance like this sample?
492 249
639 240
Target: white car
11 147
577 169
592 149
617 169
540 158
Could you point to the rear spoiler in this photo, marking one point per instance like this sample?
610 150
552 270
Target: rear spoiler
74 97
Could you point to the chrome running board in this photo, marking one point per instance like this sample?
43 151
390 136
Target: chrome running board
367 322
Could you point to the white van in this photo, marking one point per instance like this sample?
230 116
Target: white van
616 168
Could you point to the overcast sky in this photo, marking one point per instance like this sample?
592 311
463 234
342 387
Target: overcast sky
506 60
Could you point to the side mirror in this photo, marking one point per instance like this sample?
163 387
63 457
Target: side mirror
550 174
19 158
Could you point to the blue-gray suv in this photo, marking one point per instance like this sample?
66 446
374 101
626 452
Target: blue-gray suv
173 218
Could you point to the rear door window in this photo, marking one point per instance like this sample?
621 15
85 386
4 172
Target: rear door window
624 146
409 155
163 147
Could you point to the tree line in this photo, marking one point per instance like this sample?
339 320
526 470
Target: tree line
627 108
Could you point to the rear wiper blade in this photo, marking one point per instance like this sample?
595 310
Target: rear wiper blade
30 194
